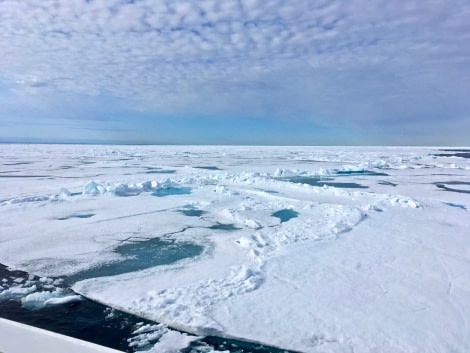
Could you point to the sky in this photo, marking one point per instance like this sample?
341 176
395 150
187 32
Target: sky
274 72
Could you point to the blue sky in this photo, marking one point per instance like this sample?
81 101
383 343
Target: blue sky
338 72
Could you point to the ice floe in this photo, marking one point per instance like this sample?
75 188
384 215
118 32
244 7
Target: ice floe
333 249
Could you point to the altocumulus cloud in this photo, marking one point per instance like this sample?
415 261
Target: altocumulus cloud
381 64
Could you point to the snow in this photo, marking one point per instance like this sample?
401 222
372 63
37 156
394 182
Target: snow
380 264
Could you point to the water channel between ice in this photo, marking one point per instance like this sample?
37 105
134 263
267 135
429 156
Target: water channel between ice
97 323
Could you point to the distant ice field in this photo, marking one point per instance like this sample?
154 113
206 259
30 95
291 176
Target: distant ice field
311 249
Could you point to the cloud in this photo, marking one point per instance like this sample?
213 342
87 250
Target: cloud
343 61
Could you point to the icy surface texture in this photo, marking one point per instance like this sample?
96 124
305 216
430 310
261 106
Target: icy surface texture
333 249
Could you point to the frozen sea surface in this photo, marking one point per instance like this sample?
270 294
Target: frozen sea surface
47 303
303 248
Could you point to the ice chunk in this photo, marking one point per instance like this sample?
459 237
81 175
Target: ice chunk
46 280
172 342
147 335
63 300
93 188
38 300
17 292
127 190
64 192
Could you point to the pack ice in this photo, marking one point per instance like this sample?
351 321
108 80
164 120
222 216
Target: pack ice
305 248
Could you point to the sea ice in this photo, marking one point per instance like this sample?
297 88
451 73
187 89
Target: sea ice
172 342
38 300
93 188
63 300
17 292
378 267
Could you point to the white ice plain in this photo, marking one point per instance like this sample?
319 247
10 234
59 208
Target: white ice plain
370 251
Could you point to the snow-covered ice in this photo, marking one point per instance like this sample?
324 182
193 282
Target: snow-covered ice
312 249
